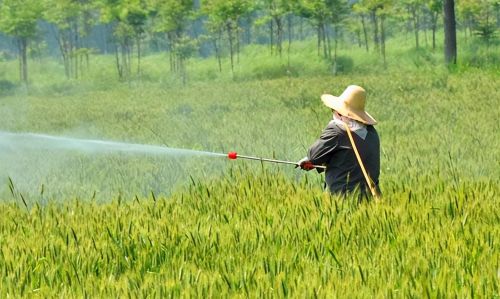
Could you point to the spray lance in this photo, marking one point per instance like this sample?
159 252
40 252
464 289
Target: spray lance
234 156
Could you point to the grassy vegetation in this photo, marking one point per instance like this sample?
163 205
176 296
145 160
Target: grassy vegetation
257 235
208 227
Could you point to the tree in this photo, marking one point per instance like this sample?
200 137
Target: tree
72 21
18 18
215 29
321 14
362 12
450 34
384 11
275 12
318 14
372 7
414 7
486 26
466 9
379 10
129 19
434 8
171 17
226 14
479 17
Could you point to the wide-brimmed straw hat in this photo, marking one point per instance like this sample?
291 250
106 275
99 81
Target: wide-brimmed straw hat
350 103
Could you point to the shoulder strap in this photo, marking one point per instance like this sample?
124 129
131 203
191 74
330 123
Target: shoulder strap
369 181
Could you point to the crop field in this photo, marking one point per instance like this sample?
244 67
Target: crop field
97 223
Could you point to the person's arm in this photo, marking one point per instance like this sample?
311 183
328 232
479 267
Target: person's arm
321 150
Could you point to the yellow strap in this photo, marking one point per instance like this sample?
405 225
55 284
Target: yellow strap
371 184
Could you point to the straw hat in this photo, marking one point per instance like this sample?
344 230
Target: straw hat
350 103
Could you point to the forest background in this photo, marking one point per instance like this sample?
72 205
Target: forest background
75 31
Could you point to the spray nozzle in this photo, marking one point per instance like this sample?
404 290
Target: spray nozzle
232 155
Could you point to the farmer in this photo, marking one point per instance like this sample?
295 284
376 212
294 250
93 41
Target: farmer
335 150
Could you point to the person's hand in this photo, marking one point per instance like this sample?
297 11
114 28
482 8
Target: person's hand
305 164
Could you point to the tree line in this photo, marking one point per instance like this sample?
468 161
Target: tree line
220 28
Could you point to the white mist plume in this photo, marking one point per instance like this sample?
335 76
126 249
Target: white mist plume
71 167
14 141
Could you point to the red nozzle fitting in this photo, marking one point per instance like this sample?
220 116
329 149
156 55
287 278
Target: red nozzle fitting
232 155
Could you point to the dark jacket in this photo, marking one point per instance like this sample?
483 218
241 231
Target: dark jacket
343 173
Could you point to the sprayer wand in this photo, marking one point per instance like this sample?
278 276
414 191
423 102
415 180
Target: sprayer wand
234 156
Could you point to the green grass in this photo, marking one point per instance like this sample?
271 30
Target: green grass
113 225
257 235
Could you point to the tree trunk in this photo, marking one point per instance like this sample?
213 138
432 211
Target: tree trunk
23 59
364 32
319 39
450 33
434 28
124 56
75 47
171 61
87 59
238 36
69 49
62 48
217 51
290 35
328 54
171 51
271 36
19 59
468 26
382 39
138 55
323 40
335 29
279 35
425 36
128 47
375 30
182 66
119 68
290 28
414 14
231 50
301 28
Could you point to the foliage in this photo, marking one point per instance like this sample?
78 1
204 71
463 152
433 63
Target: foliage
481 17
221 27
129 18
225 15
172 17
275 12
18 18
486 21
73 20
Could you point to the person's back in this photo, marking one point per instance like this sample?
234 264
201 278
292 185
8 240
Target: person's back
343 171
335 149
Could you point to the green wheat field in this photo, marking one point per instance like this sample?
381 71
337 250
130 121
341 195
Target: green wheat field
118 225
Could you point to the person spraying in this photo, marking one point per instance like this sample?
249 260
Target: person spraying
349 146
